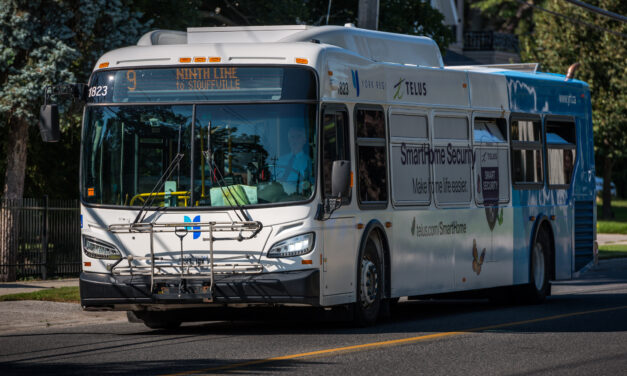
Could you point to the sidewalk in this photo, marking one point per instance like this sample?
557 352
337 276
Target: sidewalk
604 239
34 314
7 288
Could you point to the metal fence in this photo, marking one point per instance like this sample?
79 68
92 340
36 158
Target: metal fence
39 238
490 41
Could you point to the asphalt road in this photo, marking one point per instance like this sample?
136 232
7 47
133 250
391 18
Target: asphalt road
581 329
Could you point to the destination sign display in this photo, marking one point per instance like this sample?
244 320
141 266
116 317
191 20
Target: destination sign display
217 78
202 83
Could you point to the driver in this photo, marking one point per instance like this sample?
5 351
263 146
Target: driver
295 166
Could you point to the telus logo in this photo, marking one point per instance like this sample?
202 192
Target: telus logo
196 234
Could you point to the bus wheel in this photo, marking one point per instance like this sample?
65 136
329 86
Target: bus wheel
369 286
538 288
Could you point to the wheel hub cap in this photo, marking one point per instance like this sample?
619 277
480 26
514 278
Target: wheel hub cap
538 266
369 282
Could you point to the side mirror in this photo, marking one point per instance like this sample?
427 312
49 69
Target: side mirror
49 123
340 187
340 178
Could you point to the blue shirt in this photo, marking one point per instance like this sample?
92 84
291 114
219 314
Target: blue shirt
293 169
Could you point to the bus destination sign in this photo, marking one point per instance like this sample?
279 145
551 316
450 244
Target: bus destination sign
215 78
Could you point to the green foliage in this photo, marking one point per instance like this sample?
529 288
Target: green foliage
61 294
414 18
35 51
46 42
610 251
398 16
286 12
616 225
170 14
508 16
557 43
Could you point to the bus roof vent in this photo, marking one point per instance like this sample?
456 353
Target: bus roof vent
160 37
242 34
374 45
520 67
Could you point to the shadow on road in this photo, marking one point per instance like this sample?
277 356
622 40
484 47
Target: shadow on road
577 308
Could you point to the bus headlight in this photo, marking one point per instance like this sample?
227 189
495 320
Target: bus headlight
100 250
296 246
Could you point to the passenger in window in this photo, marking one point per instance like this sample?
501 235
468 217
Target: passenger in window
294 168
372 174
373 124
568 165
369 190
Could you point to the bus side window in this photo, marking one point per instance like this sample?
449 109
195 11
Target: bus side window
491 162
561 149
452 161
334 145
371 157
526 144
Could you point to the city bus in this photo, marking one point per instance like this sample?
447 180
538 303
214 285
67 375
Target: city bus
326 167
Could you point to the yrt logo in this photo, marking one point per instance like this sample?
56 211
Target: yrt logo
196 234
355 75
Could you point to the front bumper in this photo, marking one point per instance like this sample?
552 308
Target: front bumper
101 290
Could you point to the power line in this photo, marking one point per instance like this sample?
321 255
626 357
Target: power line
597 10
619 34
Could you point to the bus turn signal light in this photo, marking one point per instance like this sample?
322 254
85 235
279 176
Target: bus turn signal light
103 65
300 60
307 262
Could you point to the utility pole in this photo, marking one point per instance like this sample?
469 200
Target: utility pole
368 14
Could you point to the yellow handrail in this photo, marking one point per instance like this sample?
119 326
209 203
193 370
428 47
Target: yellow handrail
185 195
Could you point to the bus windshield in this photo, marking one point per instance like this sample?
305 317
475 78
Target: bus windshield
244 154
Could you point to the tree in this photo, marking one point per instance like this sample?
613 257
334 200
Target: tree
46 42
509 16
414 18
557 43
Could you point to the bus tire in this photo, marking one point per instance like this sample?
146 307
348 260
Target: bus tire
388 306
538 288
369 285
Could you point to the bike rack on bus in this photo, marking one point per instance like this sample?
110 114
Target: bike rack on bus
245 230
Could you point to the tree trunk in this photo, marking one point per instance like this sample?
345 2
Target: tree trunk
17 142
607 188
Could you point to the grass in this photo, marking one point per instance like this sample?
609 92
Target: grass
618 224
609 251
60 294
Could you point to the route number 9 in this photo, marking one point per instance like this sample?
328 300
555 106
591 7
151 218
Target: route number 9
131 77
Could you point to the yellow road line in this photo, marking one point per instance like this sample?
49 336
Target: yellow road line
396 341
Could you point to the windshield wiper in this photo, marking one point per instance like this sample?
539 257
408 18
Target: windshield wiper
164 177
220 179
